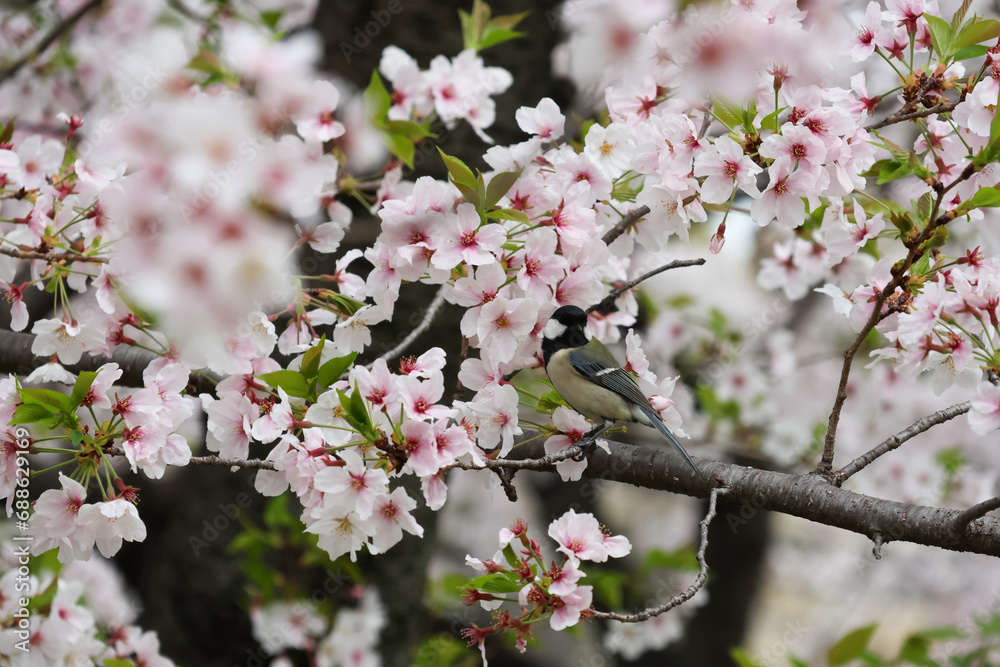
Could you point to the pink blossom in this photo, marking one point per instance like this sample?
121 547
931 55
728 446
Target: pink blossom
782 200
726 168
466 240
538 265
984 417
316 121
420 397
564 578
863 44
497 418
504 323
67 340
579 537
340 532
38 158
611 148
798 146
229 422
113 521
55 523
391 517
544 120
570 606
352 487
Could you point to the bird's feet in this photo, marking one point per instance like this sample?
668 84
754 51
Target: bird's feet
587 443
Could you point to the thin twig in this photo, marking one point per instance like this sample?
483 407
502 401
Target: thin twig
413 335
898 117
877 547
258 464
52 258
627 221
706 121
47 41
966 517
892 442
695 586
606 303
898 275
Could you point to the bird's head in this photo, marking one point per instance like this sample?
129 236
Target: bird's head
566 328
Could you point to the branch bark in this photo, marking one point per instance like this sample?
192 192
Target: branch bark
891 443
627 221
806 496
605 305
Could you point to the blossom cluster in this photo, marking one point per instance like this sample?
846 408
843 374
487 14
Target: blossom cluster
88 618
544 591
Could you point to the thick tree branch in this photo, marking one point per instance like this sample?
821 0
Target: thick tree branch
54 34
965 517
16 357
805 496
891 443
607 302
627 221
691 590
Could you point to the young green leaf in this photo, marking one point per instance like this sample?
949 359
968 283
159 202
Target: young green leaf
31 413
311 359
292 382
377 100
850 646
83 382
499 185
459 173
977 31
941 34
331 371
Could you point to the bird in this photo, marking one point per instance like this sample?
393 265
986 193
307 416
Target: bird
589 378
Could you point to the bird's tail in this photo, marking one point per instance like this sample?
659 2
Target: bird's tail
654 419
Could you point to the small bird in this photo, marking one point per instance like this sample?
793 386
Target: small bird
591 380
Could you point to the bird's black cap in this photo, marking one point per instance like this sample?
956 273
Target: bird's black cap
566 328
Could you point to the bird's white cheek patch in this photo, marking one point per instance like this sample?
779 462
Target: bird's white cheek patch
554 329
587 333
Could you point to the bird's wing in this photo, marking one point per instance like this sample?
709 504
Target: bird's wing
614 378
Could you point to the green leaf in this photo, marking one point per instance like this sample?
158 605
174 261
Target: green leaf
331 371
967 52
409 129
7 131
986 198
742 658
292 382
458 172
76 437
496 583
851 645
355 412
549 401
508 214
770 121
118 662
53 399
377 100
507 21
500 185
311 359
83 382
795 662
271 18
492 36
401 146
31 413
729 112
976 32
510 556
941 34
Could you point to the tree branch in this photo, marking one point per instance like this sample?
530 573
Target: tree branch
805 496
429 316
898 275
47 41
627 221
691 590
257 464
605 305
900 117
965 517
52 258
891 443
16 357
